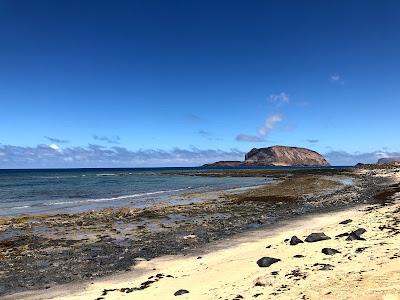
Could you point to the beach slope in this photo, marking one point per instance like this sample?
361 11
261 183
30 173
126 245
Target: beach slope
353 265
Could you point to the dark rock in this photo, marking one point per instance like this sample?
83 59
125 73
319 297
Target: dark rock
361 249
324 267
298 256
329 251
295 240
346 221
266 261
181 292
356 235
342 235
316 237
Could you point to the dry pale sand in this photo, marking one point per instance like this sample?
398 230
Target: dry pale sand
367 269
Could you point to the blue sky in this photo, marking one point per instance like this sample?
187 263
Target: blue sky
145 83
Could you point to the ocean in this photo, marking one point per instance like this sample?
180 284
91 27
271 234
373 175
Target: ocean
77 190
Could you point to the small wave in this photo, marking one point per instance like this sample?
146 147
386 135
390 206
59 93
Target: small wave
55 177
111 174
115 198
16 207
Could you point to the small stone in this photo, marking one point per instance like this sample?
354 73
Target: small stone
329 251
346 221
181 292
266 261
295 240
361 249
316 237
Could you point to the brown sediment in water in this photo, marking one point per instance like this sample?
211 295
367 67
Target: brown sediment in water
290 189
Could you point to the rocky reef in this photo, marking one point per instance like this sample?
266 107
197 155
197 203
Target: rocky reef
277 156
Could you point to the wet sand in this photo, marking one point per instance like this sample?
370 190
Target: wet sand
115 242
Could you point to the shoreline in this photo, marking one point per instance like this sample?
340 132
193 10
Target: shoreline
227 268
104 243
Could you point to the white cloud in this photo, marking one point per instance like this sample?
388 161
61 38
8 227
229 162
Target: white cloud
52 156
269 124
55 147
280 98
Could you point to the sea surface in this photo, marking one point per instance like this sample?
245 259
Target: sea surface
76 190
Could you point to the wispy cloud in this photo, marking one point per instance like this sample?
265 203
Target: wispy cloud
269 124
56 140
280 98
204 133
343 158
336 78
249 138
45 156
193 118
313 141
110 140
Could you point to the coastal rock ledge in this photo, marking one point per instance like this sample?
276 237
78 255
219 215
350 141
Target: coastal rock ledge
276 156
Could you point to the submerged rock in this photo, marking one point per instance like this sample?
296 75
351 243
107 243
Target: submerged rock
266 261
316 237
295 240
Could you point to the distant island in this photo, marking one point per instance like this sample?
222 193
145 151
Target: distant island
386 160
276 156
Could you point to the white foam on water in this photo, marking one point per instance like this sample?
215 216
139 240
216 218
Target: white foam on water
115 198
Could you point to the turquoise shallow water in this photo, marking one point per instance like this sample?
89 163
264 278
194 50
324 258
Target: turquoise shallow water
75 190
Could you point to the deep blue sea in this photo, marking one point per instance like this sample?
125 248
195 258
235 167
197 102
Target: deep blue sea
75 190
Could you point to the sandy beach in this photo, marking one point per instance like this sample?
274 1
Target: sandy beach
367 267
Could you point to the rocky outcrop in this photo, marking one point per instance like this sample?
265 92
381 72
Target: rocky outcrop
225 163
277 156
